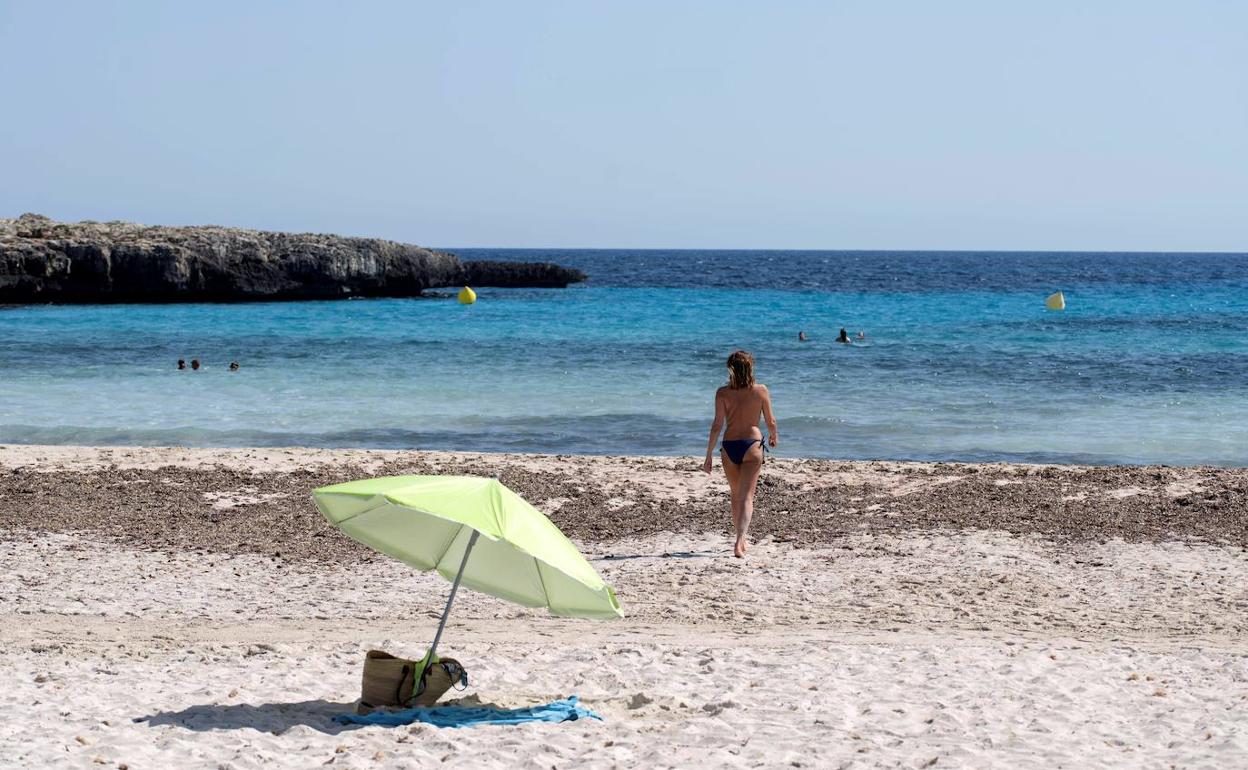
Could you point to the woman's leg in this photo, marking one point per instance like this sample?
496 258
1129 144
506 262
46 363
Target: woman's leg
743 499
732 472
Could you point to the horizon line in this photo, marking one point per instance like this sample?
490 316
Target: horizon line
834 251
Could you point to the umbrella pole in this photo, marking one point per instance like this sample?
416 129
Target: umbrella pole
450 599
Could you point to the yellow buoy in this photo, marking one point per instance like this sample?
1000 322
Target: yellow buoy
1055 301
467 296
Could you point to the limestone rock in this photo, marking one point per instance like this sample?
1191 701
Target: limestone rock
46 261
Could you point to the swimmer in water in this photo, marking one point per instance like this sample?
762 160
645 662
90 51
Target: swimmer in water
844 337
801 336
862 335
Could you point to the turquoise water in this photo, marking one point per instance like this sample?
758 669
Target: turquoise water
1148 364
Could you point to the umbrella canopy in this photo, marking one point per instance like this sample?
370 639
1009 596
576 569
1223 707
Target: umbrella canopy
438 522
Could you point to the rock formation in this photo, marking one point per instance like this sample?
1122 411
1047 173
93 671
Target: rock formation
46 261
518 274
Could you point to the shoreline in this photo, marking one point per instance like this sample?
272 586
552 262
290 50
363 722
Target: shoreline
312 450
254 456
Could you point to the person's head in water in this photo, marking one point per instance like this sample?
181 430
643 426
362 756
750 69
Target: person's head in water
195 364
740 370
181 363
844 336
862 335
801 336
233 366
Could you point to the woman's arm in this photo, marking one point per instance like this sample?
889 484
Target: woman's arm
773 435
717 425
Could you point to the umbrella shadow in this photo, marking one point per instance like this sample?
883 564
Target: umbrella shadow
273 718
666 555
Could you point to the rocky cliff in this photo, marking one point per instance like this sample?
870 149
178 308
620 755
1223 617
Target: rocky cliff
46 261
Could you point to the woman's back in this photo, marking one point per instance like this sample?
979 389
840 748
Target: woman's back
743 407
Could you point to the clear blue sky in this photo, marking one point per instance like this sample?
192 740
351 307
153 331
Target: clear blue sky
838 125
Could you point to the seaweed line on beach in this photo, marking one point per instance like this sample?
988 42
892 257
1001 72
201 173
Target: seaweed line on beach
805 502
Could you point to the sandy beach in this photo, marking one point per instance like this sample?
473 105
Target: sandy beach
189 608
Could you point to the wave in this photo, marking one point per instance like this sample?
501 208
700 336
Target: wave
812 437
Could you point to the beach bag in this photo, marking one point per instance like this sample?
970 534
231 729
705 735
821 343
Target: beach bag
391 681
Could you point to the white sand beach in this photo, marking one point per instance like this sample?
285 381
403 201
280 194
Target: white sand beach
909 648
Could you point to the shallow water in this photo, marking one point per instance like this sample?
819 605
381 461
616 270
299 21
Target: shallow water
1149 363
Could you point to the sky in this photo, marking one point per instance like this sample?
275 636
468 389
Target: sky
1050 125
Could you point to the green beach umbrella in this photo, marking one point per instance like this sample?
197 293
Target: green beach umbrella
438 522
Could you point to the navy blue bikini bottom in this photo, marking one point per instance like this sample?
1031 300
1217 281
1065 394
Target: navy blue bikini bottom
737 448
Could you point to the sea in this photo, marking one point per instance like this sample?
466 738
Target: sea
960 360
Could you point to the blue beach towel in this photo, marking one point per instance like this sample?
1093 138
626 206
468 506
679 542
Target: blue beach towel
565 710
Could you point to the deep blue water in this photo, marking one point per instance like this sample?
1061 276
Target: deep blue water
1149 363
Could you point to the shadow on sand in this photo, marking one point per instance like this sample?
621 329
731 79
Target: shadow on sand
273 718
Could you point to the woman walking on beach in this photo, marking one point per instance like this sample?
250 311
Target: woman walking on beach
739 405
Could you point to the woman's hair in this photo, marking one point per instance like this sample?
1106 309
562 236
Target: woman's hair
740 370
